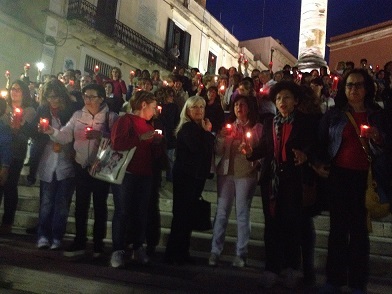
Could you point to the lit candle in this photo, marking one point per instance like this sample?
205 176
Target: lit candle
132 72
228 126
4 94
88 129
300 77
159 109
7 73
364 130
247 137
165 83
201 86
222 88
158 131
96 68
216 79
27 65
335 83
44 124
17 117
261 90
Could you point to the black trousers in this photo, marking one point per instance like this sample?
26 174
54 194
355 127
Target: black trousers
282 234
348 243
186 190
85 186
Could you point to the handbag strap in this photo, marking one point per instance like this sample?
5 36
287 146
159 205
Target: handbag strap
364 143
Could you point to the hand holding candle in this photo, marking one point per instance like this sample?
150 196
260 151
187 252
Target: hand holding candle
43 124
17 116
335 83
364 131
159 109
7 74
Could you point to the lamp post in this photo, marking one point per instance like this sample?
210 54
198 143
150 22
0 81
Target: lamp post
40 67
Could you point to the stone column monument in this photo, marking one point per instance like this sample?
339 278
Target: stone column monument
312 35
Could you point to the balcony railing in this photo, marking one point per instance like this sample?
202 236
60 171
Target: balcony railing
87 13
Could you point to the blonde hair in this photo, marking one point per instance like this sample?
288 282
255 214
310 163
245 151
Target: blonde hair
184 117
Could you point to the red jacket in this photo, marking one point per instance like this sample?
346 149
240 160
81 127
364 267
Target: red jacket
125 135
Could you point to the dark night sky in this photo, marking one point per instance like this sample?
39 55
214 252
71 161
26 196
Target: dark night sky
282 18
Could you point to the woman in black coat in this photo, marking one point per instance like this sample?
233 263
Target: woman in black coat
191 169
286 145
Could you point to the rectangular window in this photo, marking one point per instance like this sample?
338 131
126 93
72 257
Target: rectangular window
211 63
176 35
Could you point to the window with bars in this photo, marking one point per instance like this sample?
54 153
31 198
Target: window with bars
104 68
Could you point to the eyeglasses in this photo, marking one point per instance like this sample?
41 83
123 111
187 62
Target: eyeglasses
16 89
53 97
358 85
86 97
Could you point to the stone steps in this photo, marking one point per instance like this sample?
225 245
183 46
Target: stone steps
381 237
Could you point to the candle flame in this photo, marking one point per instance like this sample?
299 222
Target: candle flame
228 126
248 135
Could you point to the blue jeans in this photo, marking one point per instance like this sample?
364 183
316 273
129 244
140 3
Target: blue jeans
241 190
131 200
54 207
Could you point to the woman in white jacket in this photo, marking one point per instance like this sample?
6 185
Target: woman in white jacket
86 128
237 177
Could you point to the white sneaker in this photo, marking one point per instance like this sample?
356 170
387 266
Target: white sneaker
56 245
117 259
269 279
141 256
43 243
290 278
213 260
239 261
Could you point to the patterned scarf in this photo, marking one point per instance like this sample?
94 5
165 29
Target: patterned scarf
279 120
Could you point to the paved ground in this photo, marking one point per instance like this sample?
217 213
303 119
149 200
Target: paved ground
25 269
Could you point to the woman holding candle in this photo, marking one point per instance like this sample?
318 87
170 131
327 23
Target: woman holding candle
132 203
119 86
21 112
348 243
286 145
54 164
214 111
237 177
95 114
191 169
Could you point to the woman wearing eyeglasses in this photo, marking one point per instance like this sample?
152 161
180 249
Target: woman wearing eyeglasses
348 157
19 112
85 128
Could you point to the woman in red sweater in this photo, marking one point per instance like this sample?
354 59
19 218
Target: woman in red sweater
131 202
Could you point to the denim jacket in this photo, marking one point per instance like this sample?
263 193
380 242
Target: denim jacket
333 123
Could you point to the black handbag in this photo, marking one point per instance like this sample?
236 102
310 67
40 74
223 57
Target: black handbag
201 218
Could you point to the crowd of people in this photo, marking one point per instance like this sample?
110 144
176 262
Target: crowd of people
299 135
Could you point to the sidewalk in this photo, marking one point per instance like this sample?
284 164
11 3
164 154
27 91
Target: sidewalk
25 269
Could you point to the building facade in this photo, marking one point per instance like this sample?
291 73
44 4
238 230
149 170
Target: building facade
129 34
372 43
